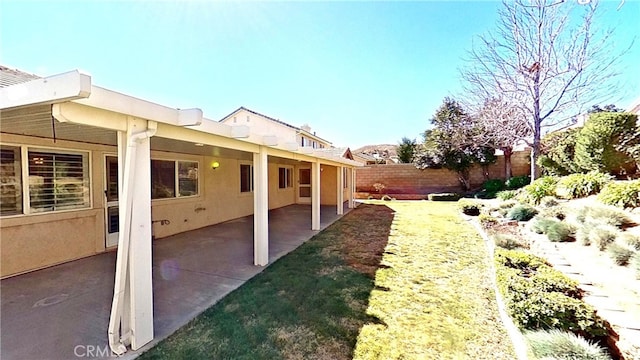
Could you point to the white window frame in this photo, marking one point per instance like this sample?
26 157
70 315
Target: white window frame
176 178
251 179
24 177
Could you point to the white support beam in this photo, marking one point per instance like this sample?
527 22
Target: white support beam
352 189
57 88
84 115
261 208
340 190
131 320
315 195
350 182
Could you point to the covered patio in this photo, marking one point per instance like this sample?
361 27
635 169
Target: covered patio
62 312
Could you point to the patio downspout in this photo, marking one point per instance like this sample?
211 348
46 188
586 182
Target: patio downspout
117 341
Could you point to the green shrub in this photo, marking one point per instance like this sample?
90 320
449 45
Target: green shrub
549 201
506 194
518 260
518 182
602 236
558 149
493 185
522 213
487 220
557 212
624 194
469 207
540 224
562 345
582 185
596 143
507 241
619 254
548 279
444 197
559 232
632 240
537 190
507 204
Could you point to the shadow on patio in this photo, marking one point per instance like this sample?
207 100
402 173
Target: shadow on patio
63 312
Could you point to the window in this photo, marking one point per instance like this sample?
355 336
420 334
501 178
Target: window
246 178
57 180
284 178
170 177
10 184
302 141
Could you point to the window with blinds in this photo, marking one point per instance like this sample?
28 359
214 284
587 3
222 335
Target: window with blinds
10 184
57 180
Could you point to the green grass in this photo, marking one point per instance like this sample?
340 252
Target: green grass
388 280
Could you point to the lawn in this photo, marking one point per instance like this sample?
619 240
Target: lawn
389 280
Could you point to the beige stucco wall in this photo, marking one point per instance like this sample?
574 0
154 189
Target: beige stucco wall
328 185
262 126
30 242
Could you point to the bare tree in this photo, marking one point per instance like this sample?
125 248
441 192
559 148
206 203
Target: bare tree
503 125
545 60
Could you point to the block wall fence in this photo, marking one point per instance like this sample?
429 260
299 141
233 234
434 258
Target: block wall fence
404 181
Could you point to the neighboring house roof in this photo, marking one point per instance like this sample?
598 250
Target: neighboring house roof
300 130
344 152
9 76
634 107
365 157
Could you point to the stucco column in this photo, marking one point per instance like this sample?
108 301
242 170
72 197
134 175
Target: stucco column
315 195
260 208
340 190
350 188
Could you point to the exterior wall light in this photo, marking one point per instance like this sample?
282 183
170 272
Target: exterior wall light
215 165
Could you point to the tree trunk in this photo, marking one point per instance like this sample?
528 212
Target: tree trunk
463 177
507 151
537 122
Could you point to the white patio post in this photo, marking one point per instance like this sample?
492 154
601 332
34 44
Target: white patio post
315 195
350 188
261 208
340 191
131 320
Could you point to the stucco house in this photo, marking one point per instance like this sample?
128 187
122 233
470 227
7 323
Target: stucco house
87 170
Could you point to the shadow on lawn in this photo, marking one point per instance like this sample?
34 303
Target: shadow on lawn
311 303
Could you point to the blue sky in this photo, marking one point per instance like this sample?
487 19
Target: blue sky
358 72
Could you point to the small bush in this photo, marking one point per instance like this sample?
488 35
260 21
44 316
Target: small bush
518 182
559 232
469 207
602 236
549 201
537 190
557 212
507 241
562 345
632 240
507 204
624 194
522 213
506 194
519 260
548 279
619 254
583 234
540 224
444 197
493 185
487 220
582 185
604 214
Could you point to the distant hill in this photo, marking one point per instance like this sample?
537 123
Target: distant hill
384 151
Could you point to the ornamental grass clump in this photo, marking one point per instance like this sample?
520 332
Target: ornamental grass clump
582 185
540 224
507 241
631 240
562 345
560 232
620 254
522 212
602 236
539 189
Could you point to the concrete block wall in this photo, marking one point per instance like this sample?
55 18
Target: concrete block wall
407 182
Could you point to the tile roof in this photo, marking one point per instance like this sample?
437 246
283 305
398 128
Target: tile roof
10 76
335 151
259 114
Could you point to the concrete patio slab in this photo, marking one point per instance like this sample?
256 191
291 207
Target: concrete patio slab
62 312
